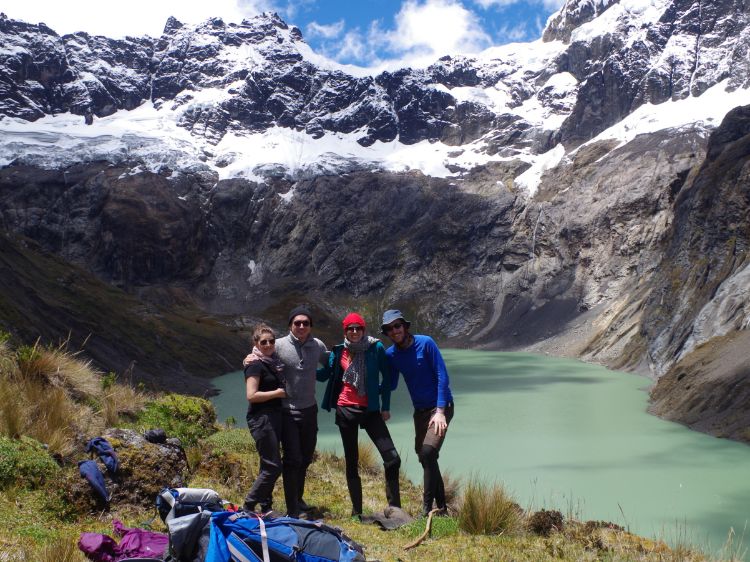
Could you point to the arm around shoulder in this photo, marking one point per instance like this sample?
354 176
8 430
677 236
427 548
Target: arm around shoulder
385 372
324 373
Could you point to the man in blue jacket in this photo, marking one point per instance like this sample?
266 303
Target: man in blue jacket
418 358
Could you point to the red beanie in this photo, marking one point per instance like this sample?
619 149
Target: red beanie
353 318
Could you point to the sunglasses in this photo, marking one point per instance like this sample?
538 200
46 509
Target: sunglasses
396 326
300 323
355 329
271 341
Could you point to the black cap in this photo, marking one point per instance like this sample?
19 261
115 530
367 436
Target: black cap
300 310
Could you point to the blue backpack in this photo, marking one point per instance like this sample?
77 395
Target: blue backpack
247 537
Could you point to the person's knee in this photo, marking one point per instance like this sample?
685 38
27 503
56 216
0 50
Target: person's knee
428 454
391 464
273 466
391 460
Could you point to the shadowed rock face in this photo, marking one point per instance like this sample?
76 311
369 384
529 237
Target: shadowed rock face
641 247
708 248
130 229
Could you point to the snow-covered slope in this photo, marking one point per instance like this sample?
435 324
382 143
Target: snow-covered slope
253 100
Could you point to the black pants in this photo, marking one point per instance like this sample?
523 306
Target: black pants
298 440
265 427
427 445
350 419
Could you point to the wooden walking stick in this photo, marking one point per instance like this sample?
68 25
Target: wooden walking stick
426 533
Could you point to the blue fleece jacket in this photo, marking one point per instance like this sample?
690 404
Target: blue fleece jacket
424 372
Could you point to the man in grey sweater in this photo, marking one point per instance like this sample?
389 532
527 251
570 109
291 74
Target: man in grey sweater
300 353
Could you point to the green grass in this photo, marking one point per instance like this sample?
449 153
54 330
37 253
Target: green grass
25 462
186 417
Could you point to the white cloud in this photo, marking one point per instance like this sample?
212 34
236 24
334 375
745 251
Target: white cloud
136 17
422 32
330 31
433 28
514 34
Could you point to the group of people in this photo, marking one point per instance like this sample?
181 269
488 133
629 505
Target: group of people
280 377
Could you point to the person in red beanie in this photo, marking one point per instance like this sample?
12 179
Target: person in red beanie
359 387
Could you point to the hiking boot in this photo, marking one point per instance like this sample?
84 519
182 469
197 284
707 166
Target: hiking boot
426 504
248 507
301 515
392 492
303 505
442 512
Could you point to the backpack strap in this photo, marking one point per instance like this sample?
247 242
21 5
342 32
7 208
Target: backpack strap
239 549
263 538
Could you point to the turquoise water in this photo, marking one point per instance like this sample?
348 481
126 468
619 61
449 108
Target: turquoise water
563 434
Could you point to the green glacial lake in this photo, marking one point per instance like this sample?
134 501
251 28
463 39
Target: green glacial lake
561 434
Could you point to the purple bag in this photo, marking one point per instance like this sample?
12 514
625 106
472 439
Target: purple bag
135 543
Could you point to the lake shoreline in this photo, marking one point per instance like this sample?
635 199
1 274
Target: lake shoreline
666 400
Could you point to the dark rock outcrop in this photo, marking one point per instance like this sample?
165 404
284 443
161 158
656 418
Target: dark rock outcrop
42 73
144 470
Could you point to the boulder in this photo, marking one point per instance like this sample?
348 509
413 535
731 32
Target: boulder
145 469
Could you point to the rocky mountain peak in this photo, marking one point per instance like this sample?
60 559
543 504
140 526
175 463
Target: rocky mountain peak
573 14
172 25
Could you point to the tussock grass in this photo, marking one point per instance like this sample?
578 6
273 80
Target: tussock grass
487 509
121 400
8 363
59 368
53 395
11 409
734 549
369 459
28 407
57 550
452 485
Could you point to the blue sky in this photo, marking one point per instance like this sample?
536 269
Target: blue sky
365 33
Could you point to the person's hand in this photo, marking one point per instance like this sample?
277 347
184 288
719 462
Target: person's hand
247 360
439 423
280 393
386 415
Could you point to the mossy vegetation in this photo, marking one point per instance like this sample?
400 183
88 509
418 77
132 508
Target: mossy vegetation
37 522
25 462
186 417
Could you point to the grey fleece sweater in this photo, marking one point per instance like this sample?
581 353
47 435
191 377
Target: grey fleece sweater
300 363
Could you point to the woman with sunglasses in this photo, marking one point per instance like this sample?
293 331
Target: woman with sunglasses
264 383
359 387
